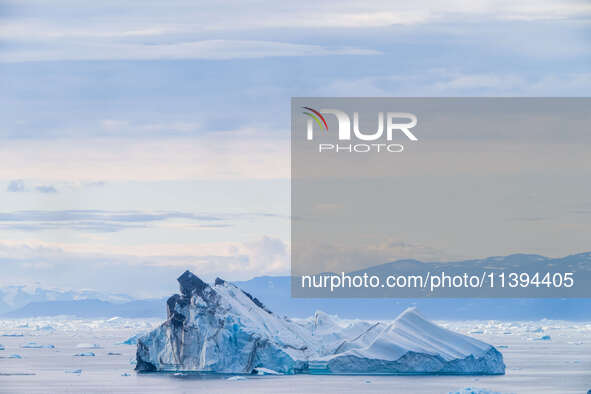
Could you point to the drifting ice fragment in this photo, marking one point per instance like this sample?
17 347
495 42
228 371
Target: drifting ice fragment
33 345
88 346
471 390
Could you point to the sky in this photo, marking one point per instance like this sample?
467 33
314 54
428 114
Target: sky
140 139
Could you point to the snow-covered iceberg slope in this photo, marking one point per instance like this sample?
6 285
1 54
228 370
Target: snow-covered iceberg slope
223 329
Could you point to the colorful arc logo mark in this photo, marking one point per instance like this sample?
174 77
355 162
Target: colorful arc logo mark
317 116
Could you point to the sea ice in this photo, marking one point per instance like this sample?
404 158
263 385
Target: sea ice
85 354
471 390
236 378
88 346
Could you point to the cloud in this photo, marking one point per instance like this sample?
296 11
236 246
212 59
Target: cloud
92 220
46 189
16 186
143 274
440 82
207 49
113 221
155 19
315 257
226 155
36 32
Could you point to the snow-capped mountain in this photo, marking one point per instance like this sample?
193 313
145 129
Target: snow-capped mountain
221 328
16 296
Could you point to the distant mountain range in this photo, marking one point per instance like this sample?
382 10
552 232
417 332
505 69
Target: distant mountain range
92 308
275 292
17 296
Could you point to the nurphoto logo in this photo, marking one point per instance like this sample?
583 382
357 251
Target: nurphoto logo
396 123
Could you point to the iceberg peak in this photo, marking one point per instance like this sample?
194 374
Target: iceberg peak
191 284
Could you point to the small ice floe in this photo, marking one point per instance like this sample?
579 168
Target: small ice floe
17 374
14 356
85 354
13 335
570 343
133 361
503 347
2 347
265 371
476 332
368 381
45 328
473 390
88 346
236 378
113 354
74 371
179 374
35 345
542 338
507 333
125 374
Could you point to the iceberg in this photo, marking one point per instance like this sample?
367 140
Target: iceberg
222 329
88 346
236 378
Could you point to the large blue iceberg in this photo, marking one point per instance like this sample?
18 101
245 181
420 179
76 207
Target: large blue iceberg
223 329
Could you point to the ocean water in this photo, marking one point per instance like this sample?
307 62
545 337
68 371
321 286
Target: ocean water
560 364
